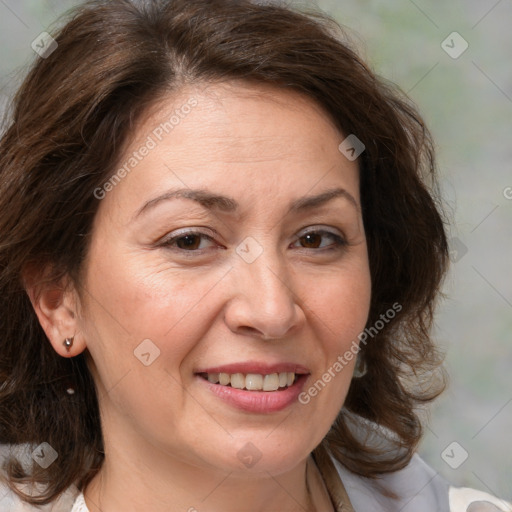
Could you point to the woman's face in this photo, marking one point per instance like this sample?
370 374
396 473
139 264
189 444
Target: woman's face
232 249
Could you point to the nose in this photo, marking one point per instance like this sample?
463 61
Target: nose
264 302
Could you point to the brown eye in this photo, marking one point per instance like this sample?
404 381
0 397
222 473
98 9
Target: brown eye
312 240
189 241
315 240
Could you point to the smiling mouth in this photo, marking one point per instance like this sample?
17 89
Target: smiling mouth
252 381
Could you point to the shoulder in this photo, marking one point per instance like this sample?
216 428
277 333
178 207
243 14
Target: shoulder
470 500
416 488
10 502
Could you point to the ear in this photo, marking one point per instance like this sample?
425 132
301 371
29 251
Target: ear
55 305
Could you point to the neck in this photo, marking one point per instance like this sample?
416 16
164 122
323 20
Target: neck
130 483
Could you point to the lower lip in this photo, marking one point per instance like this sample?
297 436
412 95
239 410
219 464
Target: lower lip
257 401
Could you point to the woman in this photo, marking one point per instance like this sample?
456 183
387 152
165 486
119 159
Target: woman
221 251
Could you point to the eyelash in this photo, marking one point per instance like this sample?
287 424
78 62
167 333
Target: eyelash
339 241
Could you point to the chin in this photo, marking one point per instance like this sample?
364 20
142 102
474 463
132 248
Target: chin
259 453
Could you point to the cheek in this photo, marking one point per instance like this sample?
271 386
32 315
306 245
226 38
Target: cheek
133 310
136 301
341 307
342 302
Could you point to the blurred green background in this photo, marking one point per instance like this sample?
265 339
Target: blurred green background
467 102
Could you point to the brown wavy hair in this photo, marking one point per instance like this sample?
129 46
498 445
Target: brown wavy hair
64 135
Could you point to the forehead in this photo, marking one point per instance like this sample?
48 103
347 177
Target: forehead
237 137
232 113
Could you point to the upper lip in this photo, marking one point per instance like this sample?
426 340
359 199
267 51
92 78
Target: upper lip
256 367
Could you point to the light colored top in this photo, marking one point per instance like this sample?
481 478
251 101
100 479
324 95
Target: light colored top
413 499
79 505
418 488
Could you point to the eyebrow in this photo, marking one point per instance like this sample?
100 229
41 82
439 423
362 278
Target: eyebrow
211 201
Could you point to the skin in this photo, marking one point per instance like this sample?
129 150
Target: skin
170 443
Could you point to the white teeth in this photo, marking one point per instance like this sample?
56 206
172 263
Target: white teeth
238 381
271 382
224 379
253 381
